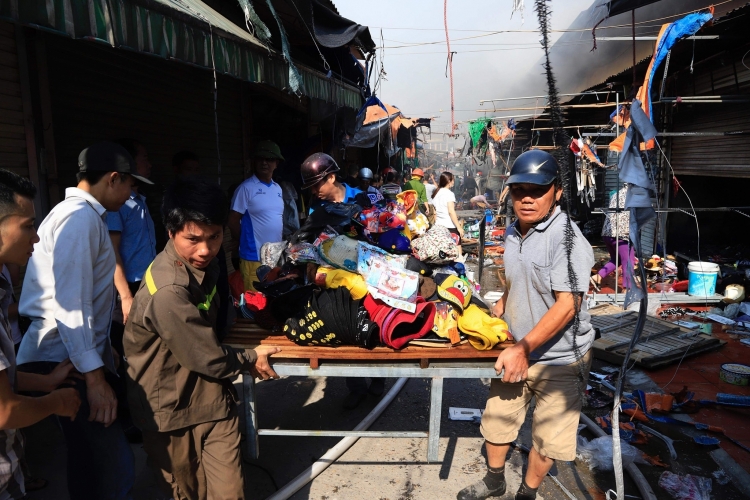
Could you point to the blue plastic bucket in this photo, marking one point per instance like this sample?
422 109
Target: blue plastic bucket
702 278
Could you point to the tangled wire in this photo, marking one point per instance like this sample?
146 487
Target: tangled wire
560 138
676 311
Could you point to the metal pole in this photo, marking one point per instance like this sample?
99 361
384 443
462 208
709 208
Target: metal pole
545 96
617 193
480 248
251 416
676 134
617 236
436 410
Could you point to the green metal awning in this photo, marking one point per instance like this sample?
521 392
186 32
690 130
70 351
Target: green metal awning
182 30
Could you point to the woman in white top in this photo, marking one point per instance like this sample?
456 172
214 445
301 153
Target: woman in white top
444 202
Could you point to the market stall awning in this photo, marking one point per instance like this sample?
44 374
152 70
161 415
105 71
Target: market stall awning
615 7
184 30
376 112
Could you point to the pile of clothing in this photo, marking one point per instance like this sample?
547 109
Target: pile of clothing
367 275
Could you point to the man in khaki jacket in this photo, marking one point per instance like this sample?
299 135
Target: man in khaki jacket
179 376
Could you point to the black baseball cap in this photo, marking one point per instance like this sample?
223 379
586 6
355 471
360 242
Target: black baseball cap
108 156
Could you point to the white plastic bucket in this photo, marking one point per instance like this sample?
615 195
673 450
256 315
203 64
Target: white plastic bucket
702 278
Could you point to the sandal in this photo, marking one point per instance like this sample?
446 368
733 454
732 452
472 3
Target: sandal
595 284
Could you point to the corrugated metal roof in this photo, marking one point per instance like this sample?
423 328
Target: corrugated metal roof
178 30
198 9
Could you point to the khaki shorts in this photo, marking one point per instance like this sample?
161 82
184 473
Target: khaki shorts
248 270
558 405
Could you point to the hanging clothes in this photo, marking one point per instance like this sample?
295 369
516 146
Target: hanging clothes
476 129
403 137
493 133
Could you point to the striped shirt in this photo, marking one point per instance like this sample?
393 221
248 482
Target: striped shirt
11 477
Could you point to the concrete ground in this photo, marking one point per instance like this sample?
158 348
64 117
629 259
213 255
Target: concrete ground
392 469
396 469
372 469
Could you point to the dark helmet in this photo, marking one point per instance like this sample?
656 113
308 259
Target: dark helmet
534 167
365 174
315 168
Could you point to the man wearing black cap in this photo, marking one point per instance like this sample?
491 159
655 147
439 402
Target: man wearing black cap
68 293
131 229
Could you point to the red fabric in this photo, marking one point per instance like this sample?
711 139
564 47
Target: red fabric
680 286
255 301
397 327
236 284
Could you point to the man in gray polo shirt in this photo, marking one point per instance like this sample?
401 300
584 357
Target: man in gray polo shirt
547 264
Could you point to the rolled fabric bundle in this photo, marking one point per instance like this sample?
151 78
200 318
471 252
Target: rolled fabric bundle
332 318
329 277
484 331
397 327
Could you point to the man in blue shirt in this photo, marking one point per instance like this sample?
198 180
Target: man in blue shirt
132 232
257 211
319 176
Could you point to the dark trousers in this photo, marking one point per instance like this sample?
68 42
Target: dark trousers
101 465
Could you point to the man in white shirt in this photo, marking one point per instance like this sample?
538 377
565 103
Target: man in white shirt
257 211
68 294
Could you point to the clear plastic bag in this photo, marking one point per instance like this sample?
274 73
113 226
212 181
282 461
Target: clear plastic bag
271 253
687 487
597 453
303 252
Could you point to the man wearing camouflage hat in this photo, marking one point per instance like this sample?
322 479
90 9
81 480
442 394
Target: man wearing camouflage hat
257 210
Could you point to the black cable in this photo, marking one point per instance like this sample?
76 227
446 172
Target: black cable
268 473
561 155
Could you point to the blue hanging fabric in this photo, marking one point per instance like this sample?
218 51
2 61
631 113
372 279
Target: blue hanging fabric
687 26
641 189
254 23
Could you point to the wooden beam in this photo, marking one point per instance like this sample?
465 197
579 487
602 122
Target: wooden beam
543 107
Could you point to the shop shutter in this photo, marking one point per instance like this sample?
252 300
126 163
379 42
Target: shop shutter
101 93
12 131
718 156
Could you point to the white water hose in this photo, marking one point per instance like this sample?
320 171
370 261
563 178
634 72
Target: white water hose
334 453
640 481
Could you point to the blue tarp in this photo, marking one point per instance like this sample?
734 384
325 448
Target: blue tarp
687 26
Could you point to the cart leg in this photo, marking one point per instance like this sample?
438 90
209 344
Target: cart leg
251 417
436 410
